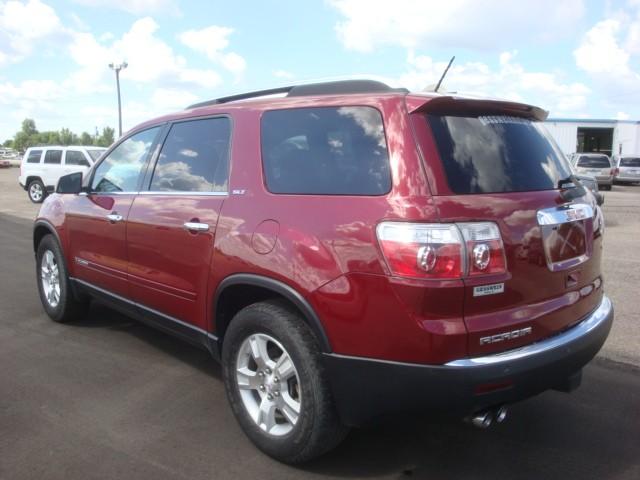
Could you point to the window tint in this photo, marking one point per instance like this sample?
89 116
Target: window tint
34 156
120 170
497 154
332 151
75 157
194 157
630 162
599 161
53 156
95 153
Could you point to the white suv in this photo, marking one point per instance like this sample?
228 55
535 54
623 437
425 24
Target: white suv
41 167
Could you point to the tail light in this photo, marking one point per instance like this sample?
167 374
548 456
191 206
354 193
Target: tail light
442 251
615 171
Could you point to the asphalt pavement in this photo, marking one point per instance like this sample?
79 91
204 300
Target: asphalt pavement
110 398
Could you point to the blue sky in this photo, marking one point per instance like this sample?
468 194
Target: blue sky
575 58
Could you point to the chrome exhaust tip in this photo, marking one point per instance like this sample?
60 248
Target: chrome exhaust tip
501 414
482 419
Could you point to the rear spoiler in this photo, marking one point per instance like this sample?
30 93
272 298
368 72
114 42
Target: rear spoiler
448 104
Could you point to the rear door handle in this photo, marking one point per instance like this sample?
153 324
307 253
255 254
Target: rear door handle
114 217
196 226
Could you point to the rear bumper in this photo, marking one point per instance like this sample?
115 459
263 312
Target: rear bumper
364 388
627 178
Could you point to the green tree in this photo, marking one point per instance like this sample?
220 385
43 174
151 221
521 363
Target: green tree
29 126
66 136
21 141
8 143
86 139
107 137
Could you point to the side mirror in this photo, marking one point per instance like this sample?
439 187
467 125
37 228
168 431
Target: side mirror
599 198
71 183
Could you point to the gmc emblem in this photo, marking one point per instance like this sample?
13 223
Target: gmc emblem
501 337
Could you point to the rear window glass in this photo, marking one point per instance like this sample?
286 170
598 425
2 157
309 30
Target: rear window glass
630 162
53 157
34 156
497 154
594 161
75 157
325 151
194 157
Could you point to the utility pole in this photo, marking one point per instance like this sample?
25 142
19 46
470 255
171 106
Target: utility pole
117 67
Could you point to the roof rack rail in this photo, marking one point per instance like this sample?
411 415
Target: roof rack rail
341 87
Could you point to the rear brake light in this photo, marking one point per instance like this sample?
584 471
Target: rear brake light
442 251
484 247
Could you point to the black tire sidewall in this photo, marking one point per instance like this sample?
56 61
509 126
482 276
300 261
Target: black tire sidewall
251 321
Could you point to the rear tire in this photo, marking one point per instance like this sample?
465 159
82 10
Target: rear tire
277 331
36 191
54 285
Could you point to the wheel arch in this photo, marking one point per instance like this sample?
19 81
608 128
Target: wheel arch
240 290
41 228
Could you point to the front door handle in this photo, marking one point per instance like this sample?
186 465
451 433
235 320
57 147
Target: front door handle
114 217
196 226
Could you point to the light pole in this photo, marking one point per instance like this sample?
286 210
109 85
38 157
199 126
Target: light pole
117 67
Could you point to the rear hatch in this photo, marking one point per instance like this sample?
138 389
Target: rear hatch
629 167
597 166
494 162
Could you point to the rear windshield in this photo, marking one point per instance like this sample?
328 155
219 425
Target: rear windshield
630 162
491 154
594 161
325 151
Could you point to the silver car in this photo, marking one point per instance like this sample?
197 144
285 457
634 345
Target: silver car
596 165
628 168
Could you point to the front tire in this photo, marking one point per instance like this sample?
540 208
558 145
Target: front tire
36 191
54 286
276 384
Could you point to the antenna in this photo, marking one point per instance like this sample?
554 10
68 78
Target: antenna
444 73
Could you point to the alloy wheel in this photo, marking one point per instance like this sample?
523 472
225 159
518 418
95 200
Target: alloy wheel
50 278
269 384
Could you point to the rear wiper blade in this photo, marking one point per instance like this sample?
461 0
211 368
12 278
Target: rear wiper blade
571 188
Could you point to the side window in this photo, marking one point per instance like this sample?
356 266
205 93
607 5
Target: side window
53 157
75 157
325 151
120 171
194 157
34 156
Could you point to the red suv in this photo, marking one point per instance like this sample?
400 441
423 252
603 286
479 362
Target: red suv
346 250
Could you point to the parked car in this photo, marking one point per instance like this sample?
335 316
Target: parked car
628 168
346 251
597 165
41 167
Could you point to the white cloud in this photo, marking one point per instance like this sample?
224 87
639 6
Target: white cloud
622 116
510 81
137 7
213 41
490 24
599 51
171 99
609 52
23 25
163 65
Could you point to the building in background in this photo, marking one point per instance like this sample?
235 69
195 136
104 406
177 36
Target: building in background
612 137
